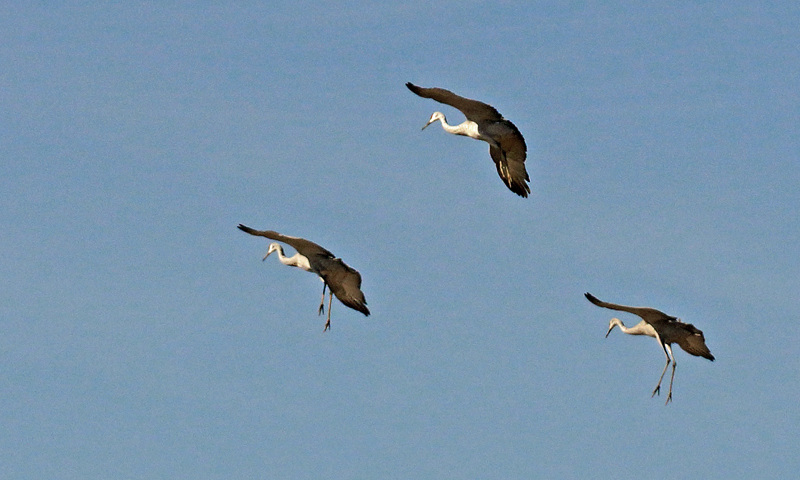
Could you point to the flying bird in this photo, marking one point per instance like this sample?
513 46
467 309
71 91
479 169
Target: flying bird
506 145
343 281
665 329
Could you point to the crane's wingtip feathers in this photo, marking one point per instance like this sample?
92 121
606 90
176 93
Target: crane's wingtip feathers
595 300
246 229
360 307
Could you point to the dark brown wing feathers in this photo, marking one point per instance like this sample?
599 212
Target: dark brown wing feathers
649 315
472 109
694 342
345 283
511 167
305 247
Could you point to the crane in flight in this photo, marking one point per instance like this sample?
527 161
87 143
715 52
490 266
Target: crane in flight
666 329
342 280
506 144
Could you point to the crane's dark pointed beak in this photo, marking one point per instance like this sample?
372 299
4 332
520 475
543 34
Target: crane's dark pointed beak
611 324
426 125
267 255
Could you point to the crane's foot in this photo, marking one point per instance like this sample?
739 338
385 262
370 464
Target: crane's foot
321 309
669 398
658 391
327 326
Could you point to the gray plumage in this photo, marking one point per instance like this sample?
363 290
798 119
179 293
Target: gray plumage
666 329
506 144
343 281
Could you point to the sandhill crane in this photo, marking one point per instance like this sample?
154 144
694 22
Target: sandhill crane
343 281
665 329
506 145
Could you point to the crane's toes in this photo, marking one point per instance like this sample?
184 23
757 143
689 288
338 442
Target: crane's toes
321 310
327 326
657 390
669 399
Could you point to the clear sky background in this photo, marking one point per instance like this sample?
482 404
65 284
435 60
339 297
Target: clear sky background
142 336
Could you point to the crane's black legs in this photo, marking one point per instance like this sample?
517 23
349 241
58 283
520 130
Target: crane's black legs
669 397
658 387
670 359
321 309
330 299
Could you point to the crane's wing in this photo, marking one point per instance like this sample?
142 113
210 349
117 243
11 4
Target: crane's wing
509 158
694 342
304 247
649 315
472 109
345 283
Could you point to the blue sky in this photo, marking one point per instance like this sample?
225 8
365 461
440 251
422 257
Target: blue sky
144 338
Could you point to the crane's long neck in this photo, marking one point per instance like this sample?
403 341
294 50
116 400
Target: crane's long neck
467 128
295 260
641 328
629 331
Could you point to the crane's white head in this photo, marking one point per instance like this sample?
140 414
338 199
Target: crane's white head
614 322
435 116
273 247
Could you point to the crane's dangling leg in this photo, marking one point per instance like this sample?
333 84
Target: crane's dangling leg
328 323
658 387
321 309
669 396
